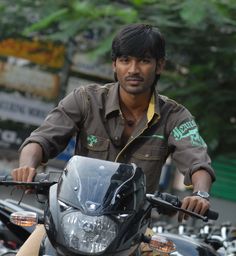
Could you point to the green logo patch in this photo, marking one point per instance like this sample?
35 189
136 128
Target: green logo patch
188 129
91 140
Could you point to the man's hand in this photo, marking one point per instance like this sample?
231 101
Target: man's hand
30 158
195 204
24 174
201 181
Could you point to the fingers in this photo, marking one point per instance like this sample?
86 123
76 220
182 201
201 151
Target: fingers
182 216
31 174
195 204
23 174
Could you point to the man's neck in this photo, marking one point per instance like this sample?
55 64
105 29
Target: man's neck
134 105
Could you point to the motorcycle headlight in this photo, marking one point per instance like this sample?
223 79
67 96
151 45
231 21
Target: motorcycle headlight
90 234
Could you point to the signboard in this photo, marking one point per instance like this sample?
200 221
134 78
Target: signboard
30 80
83 64
44 53
21 109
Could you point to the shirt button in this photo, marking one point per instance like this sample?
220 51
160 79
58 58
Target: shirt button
116 138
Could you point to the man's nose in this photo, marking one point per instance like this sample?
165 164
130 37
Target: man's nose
134 67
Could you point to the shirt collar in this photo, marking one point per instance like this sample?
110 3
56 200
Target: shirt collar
154 107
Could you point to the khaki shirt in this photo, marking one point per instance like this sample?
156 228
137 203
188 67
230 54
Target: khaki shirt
92 114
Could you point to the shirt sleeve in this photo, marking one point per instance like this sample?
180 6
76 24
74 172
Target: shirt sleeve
189 149
60 125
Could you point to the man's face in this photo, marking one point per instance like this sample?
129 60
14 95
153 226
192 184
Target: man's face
136 75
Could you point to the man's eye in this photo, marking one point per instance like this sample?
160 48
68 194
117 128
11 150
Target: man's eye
124 59
145 60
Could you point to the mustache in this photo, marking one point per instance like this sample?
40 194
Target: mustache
134 78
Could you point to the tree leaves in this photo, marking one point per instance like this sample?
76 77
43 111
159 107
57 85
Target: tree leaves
44 23
194 12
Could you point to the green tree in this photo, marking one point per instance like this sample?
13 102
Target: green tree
200 36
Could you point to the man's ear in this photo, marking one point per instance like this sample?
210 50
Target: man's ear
114 66
160 66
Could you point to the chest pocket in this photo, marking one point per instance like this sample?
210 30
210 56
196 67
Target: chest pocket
150 152
150 158
96 147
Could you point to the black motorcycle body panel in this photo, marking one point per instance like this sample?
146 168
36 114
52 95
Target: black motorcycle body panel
113 189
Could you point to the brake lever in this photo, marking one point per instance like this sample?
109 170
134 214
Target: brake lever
162 203
194 214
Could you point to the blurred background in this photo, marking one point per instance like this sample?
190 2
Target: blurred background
48 48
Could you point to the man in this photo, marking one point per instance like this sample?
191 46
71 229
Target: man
127 121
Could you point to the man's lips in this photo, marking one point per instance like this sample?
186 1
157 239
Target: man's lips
134 78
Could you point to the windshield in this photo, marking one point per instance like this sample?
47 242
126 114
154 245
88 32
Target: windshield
93 185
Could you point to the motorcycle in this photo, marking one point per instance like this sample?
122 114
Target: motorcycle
98 207
12 236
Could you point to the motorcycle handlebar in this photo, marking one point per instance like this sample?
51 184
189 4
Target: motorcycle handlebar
172 203
38 177
212 215
166 201
41 182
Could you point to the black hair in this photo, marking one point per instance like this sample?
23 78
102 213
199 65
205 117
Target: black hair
139 40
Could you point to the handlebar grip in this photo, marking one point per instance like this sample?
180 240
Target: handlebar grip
212 215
